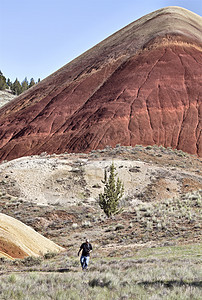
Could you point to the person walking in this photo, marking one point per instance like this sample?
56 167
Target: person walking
85 255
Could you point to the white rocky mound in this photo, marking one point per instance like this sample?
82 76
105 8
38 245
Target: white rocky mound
5 97
18 240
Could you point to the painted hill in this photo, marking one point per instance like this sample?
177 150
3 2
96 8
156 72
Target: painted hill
6 97
142 85
18 240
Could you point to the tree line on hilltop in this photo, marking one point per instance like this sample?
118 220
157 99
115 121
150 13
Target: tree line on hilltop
16 87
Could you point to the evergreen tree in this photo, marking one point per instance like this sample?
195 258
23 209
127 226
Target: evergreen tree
16 87
9 83
3 84
32 82
25 84
113 192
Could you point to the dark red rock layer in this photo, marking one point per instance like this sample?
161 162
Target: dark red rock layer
113 95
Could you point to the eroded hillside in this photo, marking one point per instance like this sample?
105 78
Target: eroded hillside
57 195
142 85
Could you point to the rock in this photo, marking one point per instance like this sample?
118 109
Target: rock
5 97
18 240
142 85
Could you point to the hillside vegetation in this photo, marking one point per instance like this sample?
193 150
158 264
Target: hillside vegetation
16 87
151 250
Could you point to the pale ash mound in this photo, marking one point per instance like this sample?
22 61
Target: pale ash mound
18 240
6 97
71 179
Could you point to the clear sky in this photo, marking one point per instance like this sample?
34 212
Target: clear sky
40 36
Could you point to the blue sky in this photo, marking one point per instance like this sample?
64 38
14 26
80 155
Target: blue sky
40 36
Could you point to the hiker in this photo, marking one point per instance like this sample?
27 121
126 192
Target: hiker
85 255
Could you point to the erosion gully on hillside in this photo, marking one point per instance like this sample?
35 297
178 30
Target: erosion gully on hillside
142 85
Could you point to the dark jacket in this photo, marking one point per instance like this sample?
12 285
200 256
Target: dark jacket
86 248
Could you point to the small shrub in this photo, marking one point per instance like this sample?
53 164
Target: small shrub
49 255
96 186
119 227
101 282
31 261
109 229
3 260
12 278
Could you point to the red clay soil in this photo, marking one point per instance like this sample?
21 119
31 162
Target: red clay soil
142 85
11 249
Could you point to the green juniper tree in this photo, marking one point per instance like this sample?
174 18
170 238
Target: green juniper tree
25 84
16 87
9 83
3 84
32 82
113 192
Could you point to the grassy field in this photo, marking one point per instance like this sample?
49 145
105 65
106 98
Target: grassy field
172 272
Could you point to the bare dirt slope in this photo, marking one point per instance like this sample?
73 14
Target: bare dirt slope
18 240
69 179
57 195
142 85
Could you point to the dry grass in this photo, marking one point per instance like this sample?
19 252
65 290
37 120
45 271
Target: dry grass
149 251
155 273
